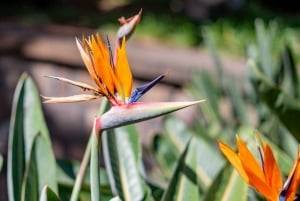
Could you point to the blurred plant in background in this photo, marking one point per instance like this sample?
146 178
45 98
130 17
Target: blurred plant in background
189 165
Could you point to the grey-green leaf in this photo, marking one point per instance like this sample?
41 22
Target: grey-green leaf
284 106
188 187
122 155
27 122
228 186
183 184
291 79
48 194
30 188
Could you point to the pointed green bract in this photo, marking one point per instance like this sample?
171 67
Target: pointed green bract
27 122
136 112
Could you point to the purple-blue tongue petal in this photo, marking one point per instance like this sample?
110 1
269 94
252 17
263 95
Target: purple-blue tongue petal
139 91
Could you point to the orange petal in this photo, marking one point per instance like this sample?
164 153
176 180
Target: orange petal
272 172
294 179
254 171
233 159
123 72
248 160
103 67
84 51
262 186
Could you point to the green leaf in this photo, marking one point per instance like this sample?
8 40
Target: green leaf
209 162
207 89
30 187
166 155
27 122
237 102
48 194
171 190
67 171
204 87
188 188
122 156
228 186
291 79
284 106
81 173
184 182
210 44
264 47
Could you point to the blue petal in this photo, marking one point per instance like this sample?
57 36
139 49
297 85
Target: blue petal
139 91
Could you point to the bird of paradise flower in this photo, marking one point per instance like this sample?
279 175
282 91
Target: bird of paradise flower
111 73
265 178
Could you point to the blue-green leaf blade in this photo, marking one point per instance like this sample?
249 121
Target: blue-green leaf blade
228 186
188 185
48 194
122 155
183 184
27 122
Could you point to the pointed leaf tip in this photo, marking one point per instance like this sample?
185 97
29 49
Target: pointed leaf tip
136 112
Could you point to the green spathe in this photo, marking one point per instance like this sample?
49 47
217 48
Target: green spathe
140 111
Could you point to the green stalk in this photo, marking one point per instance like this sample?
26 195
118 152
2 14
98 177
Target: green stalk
81 173
85 160
94 166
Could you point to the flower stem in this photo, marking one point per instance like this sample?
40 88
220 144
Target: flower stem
81 172
85 160
94 166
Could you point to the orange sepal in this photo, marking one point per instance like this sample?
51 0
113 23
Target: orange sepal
272 172
295 179
123 72
254 172
103 67
84 50
233 159
247 159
